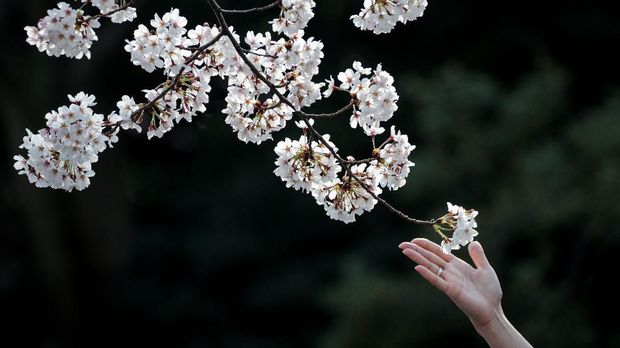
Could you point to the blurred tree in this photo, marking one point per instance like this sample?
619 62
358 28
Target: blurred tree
514 111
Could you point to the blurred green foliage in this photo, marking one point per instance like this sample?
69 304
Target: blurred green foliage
545 218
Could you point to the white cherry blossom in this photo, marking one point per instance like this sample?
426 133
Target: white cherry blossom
252 110
163 47
63 32
381 16
344 198
373 94
61 155
463 223
181 103
71 32
392 165
126 107
304 163
294 16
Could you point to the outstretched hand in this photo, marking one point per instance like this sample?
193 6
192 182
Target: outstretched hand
476 291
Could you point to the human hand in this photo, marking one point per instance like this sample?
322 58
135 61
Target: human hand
476 291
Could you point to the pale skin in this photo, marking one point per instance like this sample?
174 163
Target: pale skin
475 290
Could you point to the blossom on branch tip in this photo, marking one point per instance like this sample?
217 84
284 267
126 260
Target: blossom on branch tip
61 155
373 94
69 32
163 47
462 224
61 33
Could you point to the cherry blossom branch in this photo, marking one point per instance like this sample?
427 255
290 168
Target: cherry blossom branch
60 161
250 10
217 10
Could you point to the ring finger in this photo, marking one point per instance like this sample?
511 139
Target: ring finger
421 260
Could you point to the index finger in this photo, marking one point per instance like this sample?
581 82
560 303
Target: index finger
432 247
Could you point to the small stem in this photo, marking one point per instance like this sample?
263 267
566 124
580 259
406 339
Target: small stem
365 160
258 54
269 107
333 114
250 10
387 141
84 4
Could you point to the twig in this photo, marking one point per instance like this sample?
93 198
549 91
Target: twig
333 114
258 54
365 160
250 10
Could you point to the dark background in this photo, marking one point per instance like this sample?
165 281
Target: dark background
191 241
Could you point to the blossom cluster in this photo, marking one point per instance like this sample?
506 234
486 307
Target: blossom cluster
163 47
306 164
391 166
381 16
181 103
61 155
346 197
169 47
294 16
69 32
289 64
373 94
309 166
463 225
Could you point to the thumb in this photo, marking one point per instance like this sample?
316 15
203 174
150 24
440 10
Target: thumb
477 255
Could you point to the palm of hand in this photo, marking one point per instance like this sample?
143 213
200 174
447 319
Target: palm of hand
475 290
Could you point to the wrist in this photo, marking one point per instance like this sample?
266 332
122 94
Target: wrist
496 326
498 332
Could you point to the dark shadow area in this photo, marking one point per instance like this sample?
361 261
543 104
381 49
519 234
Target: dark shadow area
191 241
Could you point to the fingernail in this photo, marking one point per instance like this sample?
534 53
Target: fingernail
402 245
